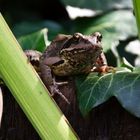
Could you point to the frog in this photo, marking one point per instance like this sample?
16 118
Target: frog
69 55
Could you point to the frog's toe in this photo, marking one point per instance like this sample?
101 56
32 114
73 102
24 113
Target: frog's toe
104 69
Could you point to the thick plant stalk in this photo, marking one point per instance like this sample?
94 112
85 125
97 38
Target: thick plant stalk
29 91
136 5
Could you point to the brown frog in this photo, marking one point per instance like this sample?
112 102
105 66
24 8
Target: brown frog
71 55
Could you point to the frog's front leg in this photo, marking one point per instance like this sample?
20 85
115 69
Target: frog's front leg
50 82
45 72
101 65
34 58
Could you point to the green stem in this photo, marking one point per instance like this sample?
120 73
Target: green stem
28 90
136 4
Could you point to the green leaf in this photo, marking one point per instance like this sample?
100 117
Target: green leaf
25 28
35 41
132 52
136 4
94 90
133 47
99 4
114 26
126 64
136 70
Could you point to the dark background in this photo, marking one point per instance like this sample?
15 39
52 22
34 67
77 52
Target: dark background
17 11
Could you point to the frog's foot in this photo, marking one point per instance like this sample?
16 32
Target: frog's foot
54 90
104 69
33 55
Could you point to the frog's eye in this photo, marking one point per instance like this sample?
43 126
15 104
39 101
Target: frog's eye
98 35
76 36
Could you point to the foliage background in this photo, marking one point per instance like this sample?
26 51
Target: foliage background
114 19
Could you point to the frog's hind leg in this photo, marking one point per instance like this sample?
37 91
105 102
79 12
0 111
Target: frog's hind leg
55 90
50 81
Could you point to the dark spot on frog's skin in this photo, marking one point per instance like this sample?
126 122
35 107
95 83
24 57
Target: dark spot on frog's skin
58 63
72 63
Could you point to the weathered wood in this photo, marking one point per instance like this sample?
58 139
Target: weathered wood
109 121
15 125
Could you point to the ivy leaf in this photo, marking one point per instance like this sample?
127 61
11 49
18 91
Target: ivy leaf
35 41
94 90
126 64
133 48
25 28
99 4
114 26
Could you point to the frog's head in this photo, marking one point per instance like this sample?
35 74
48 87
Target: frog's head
79 45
